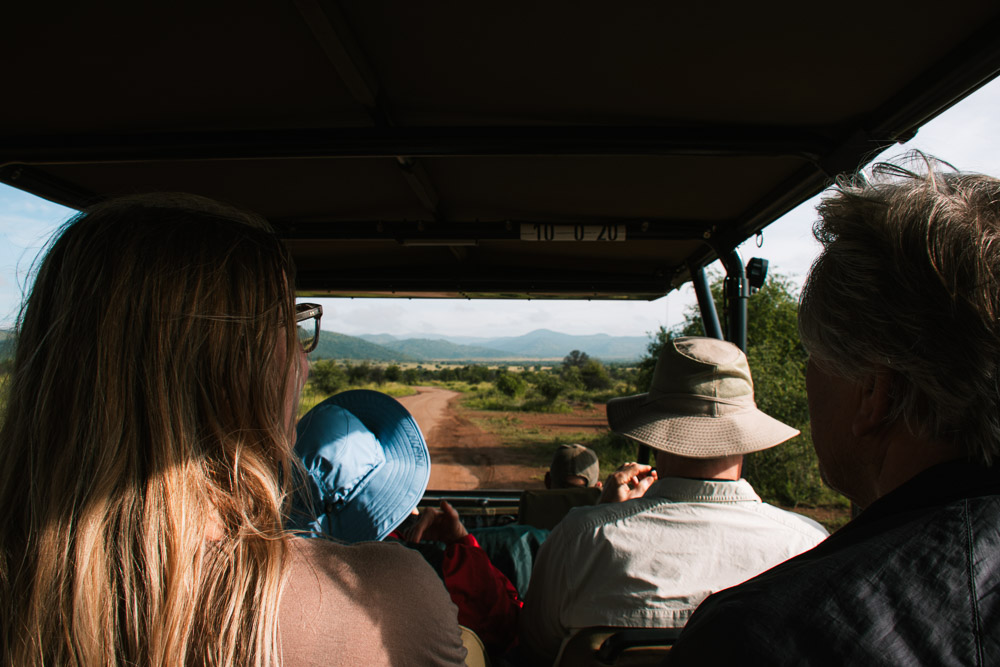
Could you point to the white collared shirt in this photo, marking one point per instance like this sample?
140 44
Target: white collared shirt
650 562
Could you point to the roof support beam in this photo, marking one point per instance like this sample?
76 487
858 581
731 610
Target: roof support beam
333 35
730 141
332 30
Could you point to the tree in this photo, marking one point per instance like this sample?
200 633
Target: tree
571 376
476 373
358 373
510 384
644 374
549 386
594 376
393 373
576 358
327 376
376 374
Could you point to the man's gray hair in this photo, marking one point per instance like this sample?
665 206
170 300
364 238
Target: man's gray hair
909 280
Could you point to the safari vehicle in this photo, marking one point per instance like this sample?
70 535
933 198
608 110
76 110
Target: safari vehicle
506 151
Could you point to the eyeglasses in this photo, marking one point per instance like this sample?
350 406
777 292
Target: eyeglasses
309 314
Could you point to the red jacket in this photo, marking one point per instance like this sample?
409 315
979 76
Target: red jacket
487 602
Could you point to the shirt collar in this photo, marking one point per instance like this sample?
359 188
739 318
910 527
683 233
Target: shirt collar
681 489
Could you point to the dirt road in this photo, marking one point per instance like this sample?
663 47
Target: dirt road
462 455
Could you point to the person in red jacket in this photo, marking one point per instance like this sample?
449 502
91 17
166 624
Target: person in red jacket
487 601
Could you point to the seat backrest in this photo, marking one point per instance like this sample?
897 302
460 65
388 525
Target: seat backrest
544 508
475 650
604 646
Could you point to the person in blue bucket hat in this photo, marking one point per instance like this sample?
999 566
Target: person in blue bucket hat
367 466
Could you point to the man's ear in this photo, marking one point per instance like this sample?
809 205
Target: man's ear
873 403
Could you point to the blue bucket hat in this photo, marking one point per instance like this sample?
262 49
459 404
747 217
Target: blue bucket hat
367 467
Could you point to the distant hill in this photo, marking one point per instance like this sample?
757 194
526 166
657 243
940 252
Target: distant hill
379 339
334 345
538 344
544 343
442 350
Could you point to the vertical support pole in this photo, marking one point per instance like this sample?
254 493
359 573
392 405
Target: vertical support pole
709 315
737 295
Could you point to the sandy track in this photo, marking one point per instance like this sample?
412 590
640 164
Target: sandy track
462 455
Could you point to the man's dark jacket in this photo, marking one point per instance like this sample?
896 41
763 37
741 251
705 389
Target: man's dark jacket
914 580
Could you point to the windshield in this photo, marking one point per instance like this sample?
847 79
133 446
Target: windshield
497 386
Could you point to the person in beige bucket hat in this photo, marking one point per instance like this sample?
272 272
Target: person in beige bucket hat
700 404
663 539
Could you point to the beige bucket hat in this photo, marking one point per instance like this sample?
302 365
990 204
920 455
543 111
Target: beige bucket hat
700 404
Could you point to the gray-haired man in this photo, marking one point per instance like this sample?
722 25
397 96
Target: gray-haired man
680 533
901 317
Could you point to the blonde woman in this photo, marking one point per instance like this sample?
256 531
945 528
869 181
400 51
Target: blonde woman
144 453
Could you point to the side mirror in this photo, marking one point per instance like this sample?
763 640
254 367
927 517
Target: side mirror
756 273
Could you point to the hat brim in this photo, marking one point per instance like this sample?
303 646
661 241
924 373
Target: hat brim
394 489
643 418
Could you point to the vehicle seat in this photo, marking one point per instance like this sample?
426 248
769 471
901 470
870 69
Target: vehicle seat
604 646
544 508
476 651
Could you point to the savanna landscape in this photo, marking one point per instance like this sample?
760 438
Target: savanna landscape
494 425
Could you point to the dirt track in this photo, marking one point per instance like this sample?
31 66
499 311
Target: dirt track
462 455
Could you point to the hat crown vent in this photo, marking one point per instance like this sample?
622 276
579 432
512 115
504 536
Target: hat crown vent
703 367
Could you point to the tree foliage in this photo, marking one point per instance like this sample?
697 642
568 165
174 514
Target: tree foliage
510 384
644 374
576 359
549 386
327 376
594 375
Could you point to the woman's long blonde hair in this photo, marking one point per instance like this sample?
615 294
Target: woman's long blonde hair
145 444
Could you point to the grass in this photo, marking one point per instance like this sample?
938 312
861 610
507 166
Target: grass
311 396
486 397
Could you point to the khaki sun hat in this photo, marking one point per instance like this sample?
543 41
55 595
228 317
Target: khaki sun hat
700 404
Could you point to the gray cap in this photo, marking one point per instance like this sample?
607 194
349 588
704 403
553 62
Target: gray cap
574 460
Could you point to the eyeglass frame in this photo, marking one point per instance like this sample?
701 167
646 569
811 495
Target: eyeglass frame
308 311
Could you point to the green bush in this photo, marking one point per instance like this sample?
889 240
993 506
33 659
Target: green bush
510 385
571 376
327 376
594 376
548 386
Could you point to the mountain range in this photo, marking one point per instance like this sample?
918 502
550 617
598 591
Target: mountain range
541 344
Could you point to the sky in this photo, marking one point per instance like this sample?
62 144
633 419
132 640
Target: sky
967 136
